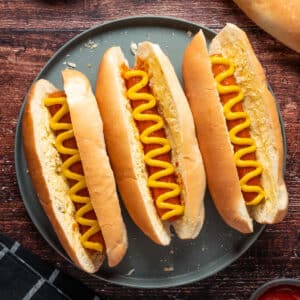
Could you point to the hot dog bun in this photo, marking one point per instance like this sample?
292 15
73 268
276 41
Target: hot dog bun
280 18
126 152
212 132
44 165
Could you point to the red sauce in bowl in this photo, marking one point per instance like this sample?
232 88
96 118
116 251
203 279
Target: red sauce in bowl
282 292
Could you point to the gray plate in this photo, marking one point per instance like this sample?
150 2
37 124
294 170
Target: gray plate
146 264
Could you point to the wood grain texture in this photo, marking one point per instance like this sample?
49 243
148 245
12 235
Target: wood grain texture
30 33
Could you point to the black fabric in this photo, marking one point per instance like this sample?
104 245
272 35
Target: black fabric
42 268
6 241
75 291
48 292
23 274
16 279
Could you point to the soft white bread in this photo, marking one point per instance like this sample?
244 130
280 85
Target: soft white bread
44 165
125 151
280 18
213 139
88 132
213 135
265 129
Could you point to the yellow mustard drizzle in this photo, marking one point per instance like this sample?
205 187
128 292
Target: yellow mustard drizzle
67 133
230 115
146 138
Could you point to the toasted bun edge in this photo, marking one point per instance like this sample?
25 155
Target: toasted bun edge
42 160
88 132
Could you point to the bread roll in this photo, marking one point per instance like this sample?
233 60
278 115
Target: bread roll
126 152
280 18
213 136
44 165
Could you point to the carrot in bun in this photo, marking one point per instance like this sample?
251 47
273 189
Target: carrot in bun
151 142
66 157
238 129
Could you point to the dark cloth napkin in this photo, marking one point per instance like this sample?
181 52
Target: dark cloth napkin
24 276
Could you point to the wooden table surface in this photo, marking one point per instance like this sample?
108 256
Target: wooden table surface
31 31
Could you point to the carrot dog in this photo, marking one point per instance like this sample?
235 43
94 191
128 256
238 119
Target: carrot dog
70 170
151 141
238 129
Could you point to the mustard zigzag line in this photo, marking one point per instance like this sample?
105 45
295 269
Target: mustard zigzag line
233 133
68 133
146 138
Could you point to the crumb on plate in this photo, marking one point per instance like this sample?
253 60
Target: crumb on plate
71 64
168 269
133 47
130 272
90 45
